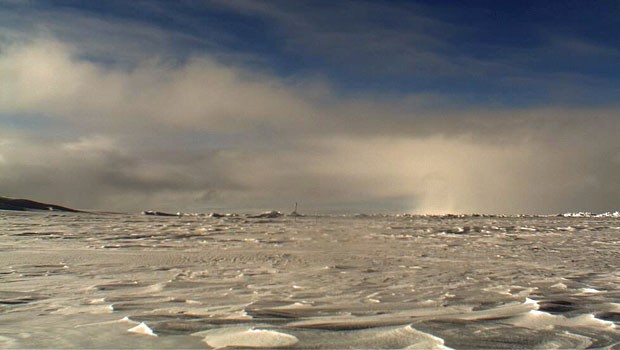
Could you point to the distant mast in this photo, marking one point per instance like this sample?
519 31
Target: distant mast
295 214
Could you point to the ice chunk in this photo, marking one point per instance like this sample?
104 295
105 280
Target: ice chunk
247 337
142 328
543 320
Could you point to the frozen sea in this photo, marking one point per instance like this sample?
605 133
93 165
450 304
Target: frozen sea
134 281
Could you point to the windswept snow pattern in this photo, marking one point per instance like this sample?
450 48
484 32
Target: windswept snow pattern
76 280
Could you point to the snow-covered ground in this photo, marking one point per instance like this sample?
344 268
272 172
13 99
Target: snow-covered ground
132 281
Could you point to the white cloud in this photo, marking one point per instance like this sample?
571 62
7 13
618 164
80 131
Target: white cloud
45 77
128 145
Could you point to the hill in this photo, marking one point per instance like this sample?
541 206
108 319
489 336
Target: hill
27 204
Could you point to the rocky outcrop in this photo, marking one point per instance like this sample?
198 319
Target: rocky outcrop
268 214
158 213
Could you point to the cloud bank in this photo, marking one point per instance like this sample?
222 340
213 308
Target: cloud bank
205 135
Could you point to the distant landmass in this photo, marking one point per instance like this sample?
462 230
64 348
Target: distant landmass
27 205
158 213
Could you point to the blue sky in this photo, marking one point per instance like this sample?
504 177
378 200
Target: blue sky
511 53
351 105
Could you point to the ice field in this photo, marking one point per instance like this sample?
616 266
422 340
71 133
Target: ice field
132 281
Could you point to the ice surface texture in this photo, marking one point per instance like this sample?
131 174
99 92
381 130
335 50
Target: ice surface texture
75 280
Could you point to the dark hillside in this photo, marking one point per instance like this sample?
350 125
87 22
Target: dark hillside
26 204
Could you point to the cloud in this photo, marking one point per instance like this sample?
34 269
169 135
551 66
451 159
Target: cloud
45 76
203 134
434 174
483 55
397 39
537 172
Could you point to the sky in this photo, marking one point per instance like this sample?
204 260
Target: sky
421 107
